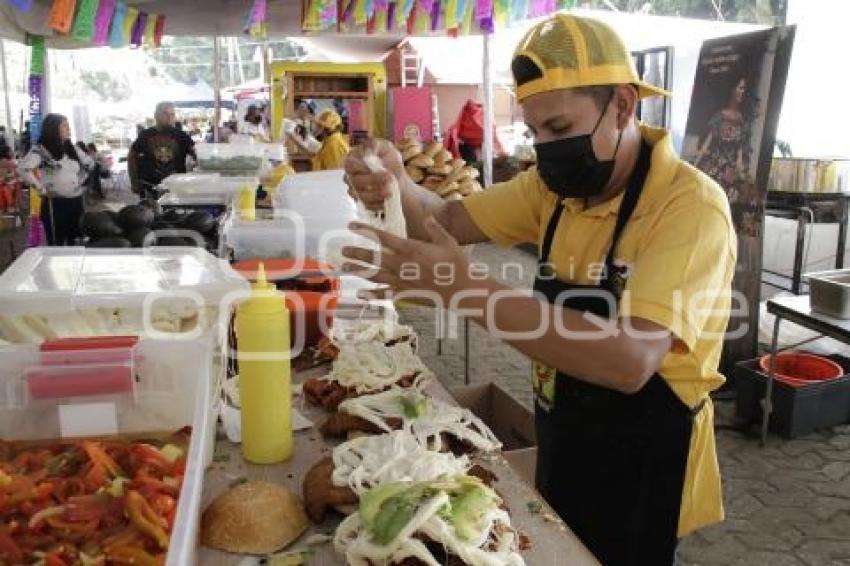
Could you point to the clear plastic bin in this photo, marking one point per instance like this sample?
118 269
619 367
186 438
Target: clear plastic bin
44 280
285 234
208 184
230 157
175 386
51 293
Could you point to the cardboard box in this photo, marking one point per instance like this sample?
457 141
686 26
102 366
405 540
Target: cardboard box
510 421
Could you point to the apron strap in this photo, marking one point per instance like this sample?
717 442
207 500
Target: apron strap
630 198
550 231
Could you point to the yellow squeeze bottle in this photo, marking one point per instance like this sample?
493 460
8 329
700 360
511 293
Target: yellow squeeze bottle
248 203
265 386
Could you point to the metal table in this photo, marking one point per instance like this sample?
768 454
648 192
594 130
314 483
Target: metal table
798 310
809 208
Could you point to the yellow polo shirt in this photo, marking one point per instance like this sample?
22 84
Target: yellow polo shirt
680 251
332 153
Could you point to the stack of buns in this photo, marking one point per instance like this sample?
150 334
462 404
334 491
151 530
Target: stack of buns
432 166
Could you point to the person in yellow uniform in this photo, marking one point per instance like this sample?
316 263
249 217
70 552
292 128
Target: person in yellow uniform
632 291
331 154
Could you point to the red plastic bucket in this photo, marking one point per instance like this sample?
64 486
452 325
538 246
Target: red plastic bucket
799 368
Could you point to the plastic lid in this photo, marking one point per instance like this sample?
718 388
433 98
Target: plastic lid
50 280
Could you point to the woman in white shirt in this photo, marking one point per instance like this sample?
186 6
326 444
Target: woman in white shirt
254 125
57 170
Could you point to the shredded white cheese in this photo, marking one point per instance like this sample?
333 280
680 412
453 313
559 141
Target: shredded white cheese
363 331
372 366
436 418
368 461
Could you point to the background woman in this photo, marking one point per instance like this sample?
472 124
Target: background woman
58 171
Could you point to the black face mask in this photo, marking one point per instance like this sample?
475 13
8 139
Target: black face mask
569 166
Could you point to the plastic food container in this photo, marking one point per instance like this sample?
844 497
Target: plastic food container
285 234
208 184
173 387
230 158
141 285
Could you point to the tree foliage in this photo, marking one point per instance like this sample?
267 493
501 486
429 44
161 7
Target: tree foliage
189 59
767 12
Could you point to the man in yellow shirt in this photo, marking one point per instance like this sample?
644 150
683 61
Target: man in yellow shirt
331 154
632 294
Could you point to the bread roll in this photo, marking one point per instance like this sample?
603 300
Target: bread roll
421 161
445 156
432 149
410 152
458 163
432 182
253 518
448 189
415 173
437 170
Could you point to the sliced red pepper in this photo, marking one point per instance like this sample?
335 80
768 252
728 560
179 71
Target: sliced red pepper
86 508
9 550
132 555
98 455
152 457
54 559
96 477
72 527
127 537
145 519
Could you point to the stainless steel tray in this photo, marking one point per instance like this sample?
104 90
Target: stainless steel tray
830 292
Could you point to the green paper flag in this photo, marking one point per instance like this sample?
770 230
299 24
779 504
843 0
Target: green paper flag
37 58
83 29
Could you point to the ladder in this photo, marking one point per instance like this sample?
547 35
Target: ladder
412 70
435 117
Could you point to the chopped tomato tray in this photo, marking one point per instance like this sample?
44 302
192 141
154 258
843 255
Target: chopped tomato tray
94 502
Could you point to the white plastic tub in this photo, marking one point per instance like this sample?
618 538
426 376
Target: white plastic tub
75 292
176 386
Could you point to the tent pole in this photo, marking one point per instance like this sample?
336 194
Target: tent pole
9 137
217 88
487 149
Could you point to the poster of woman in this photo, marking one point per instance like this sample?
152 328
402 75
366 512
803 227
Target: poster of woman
735 106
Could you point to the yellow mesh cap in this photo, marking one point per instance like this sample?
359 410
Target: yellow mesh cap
329 119
567 51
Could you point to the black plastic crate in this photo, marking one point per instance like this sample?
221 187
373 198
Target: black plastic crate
796 410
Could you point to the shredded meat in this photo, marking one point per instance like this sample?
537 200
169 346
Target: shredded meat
320 493
326 393
329 394
482 473
339 425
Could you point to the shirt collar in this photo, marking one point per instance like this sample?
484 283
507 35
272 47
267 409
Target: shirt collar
661 170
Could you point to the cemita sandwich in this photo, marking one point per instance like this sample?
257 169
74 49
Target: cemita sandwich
360 464
446 521
369 367
435 424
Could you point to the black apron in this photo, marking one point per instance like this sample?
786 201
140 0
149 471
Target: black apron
612 465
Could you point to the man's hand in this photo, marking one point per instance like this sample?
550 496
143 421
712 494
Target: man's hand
372 189
437 267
